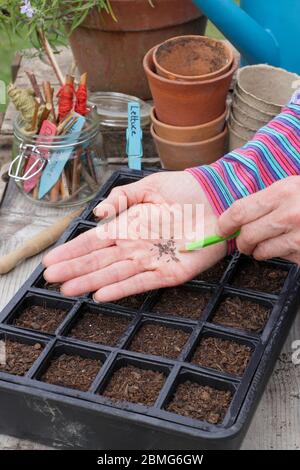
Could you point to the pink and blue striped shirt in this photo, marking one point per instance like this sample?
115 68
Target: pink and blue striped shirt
273 154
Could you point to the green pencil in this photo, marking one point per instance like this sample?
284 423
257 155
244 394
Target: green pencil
211 240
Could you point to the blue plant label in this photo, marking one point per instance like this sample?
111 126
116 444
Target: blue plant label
59 158
134 136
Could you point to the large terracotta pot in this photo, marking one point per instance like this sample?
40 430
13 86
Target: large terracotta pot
112 52
181 103
193 58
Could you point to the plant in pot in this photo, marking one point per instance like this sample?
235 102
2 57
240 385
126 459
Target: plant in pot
109 38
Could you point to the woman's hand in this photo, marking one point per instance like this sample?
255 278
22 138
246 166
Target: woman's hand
137 250
269 221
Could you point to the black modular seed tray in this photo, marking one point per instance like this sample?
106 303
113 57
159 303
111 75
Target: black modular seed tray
69 418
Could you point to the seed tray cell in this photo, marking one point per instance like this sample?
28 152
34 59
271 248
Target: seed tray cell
22 358
225 360
241 313
266 277
125 361
172 338
92 323
166 302
64 416
40 314
57 360
199 379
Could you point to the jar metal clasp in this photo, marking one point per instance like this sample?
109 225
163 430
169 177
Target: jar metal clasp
26 153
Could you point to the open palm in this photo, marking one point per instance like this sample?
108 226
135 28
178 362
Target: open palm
137 249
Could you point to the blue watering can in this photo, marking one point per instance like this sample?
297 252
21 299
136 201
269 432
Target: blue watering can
264 31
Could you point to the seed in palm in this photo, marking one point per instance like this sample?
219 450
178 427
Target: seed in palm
166 249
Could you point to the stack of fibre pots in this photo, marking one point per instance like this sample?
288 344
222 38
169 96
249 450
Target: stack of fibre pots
260 93
189 78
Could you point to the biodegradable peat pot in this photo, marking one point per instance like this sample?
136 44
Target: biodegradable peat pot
112 51
181 103
247 120
235 140
266 88
193 58
239 102
245 132
188 134
178 156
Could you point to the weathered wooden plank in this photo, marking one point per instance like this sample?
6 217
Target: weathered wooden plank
276 424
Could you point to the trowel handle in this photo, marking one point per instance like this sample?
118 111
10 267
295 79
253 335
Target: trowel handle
36 244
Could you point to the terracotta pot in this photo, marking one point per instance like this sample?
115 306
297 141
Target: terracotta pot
112 51
188 134
266 88
193 58
181 103
178 156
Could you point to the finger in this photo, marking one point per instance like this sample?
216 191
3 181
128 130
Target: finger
295 258
262 229
134 285
278 247
246 210
85 243
123 197
77 267
93 281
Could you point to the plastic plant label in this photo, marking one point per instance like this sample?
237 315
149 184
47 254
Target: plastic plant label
48 130
58 160
134 135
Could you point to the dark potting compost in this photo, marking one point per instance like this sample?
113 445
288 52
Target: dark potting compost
177 302
19 357
40 318
200 402
133 301
235 312
72 371
180 367
223 355
215 273
259 276
135 385
159 340
55 287
100 328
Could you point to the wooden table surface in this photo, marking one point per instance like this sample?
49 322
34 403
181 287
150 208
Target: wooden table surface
276 424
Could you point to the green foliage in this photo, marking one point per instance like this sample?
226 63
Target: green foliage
47 15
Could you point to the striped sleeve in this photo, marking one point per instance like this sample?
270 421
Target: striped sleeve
273 154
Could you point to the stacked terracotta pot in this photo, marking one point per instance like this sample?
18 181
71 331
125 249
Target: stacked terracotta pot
189 78
260 93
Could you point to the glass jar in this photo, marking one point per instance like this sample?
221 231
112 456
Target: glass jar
72 166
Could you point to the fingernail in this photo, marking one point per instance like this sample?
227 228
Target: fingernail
96 301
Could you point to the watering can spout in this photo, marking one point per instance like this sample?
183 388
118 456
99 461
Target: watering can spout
256 44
